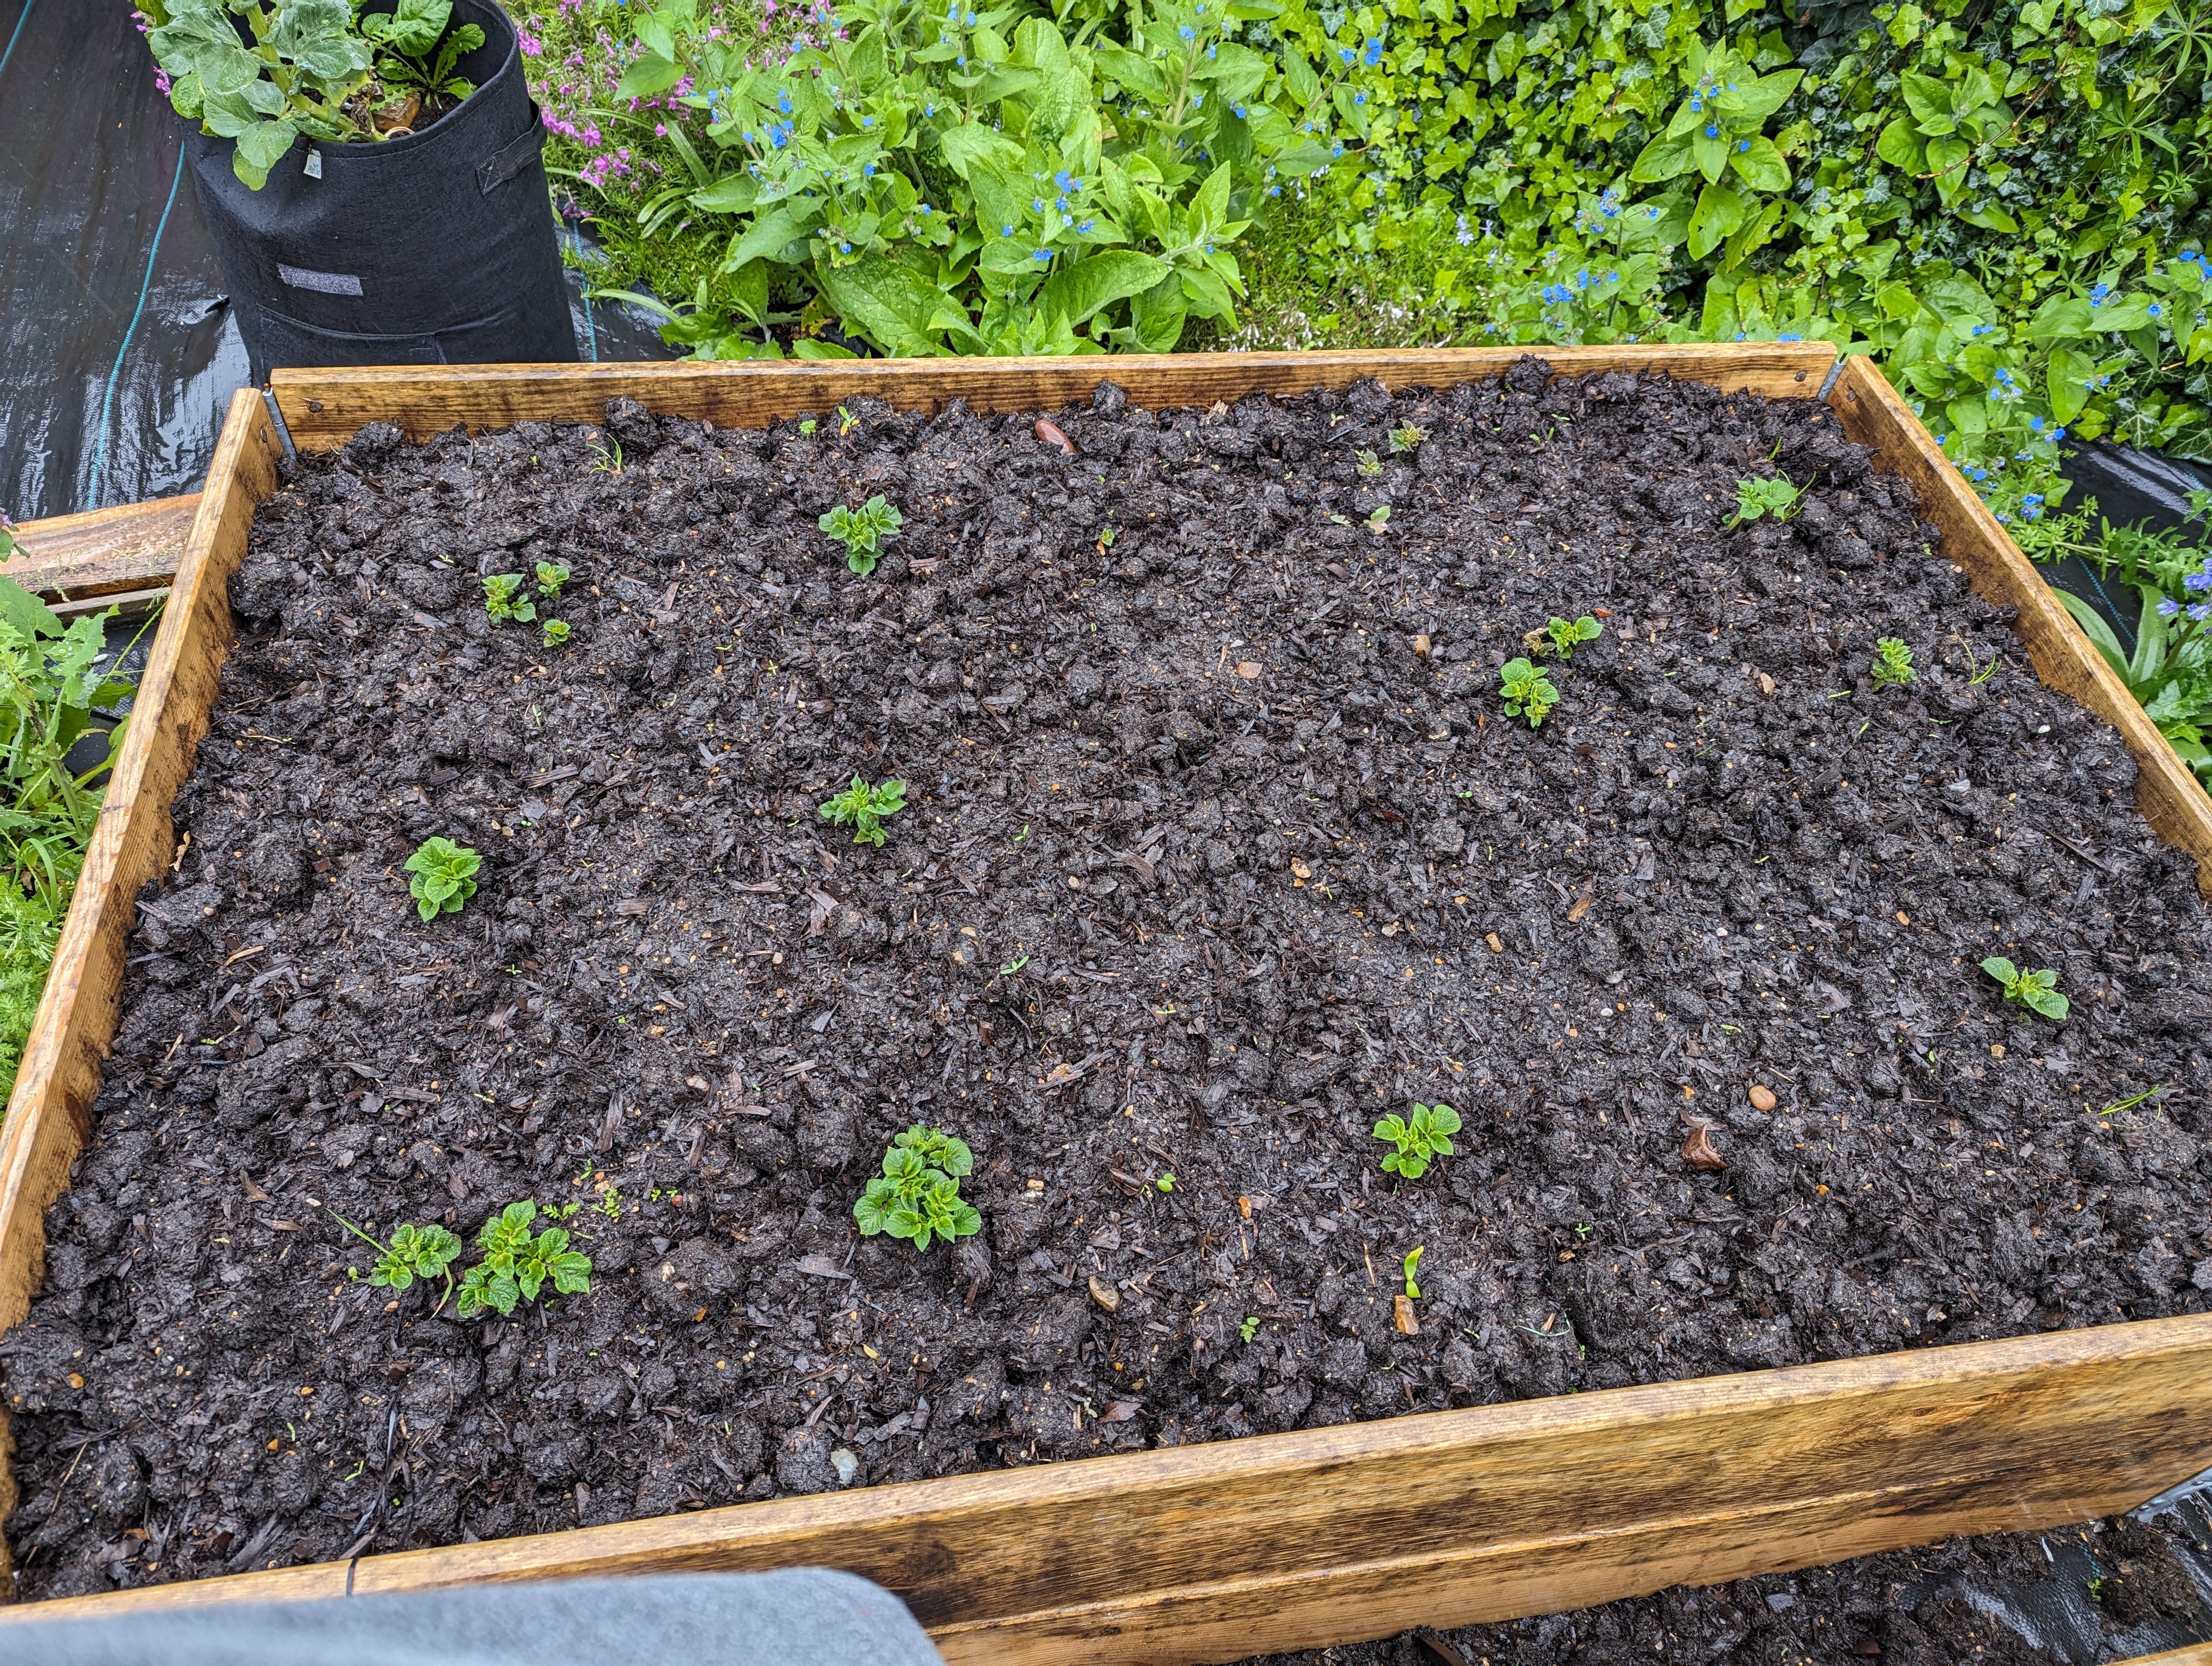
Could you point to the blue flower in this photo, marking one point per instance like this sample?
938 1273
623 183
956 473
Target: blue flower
2155 311
1061 202
1344 52
1188 33
1036 205
1237 111
2196 581
2057 434
1359 98
1374 52
2096 294
1712 131
2032 497
1086 225
1339 149
1066 180
1005 231
1742 145
2168 607
783 102
1274 191
925 208
1792 336
844 248
2201 611
1041 254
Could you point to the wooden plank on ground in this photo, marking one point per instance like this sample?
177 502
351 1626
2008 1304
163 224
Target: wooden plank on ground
324 408
2166 791
49 1113
134 546
1216 1552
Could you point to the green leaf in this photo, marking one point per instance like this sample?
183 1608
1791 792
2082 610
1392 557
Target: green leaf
2001 970
1080 288
1719 212
1930 101
733 193
971 145
1712 152
2098 631
1946 160
1663 159
2066 382
26 612
771 233
1900 147
651 76
889 301
1761 167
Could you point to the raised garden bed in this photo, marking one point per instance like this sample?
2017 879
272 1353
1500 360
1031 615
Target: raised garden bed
1254 967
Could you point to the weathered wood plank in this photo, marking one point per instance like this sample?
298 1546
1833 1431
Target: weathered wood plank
2199 1654
2166 791
324 408
1216 1552
49 1115
134 546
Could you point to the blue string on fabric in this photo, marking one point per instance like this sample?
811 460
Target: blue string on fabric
145 285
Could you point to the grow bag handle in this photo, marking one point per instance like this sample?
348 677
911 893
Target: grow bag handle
511 158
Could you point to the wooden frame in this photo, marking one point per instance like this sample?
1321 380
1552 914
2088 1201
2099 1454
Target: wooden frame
105 555
1219 1551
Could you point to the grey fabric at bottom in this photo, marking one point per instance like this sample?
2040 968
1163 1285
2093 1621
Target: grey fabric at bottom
794 1617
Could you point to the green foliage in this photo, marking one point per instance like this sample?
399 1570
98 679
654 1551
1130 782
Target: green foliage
1776 496
445 877
1426 1137
301 68
1406 436
1560 635
2031 991
1892 663
504 599
1412 1260
1366 462
862 808
1165 1183
1526 688
917 1197
2169 669
415 1252
862 530
517 1264
975 182
555 633
52 685
1249 1328
551 576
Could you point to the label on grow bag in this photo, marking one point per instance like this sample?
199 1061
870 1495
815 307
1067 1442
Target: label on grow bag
329 283
313 169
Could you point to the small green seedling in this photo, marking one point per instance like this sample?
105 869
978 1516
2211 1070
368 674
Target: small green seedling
1754 498
1013 966
1560 635
807 427
917 1197
445 877
862 808
1526 689
1366 462
1405 436
1378 520
610 1204
608 462
2035 991
1428 1135
551 575
1412 1260
1106 538
1892 663
1249 1328
415 1252
846 422
504 600
557 633
1165 1183
862 530
518 1264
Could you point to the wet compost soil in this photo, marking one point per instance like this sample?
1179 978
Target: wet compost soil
2110 1590
1218 846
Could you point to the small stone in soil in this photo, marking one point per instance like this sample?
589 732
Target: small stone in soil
1762 1096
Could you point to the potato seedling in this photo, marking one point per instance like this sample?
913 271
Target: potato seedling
862 530
1756 498
1526 689
1378 520
917 1197
557 633
1892 663
445 877
862 808
1412 1260
1428 1135
551 575
517 1265
1560 635
1406 435
504 600
1366 462
415 1252
2031 991
1249 1328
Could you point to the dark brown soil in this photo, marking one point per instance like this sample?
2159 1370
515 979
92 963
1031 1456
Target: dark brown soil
1208 861
2107 1592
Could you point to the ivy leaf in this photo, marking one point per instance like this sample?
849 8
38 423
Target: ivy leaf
1761 167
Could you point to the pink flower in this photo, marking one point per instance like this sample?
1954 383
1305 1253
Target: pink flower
532 45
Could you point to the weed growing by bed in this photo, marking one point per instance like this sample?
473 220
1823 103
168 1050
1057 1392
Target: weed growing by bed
917 1197
519 1263
862 530
1892 664
504 600
445 876
2030 991
862 808
1757 498
1420 1142
1527 690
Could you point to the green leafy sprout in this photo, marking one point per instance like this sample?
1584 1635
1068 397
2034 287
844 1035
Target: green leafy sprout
862 808
504 600
1249 1328
1755 499
1412 1260
1378 518
846 422
1406 435
415 1252
2032 991
517 1264
862 530
1526 689
557 633
1426 1137
445 876
1366 462
1892 663
917 1197
1560 635
1166 1182
551 575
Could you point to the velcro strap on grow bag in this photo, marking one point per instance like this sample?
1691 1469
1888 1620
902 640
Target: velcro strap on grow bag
513 156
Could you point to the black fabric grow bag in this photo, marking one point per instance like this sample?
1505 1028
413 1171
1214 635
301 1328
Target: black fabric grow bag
437 247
